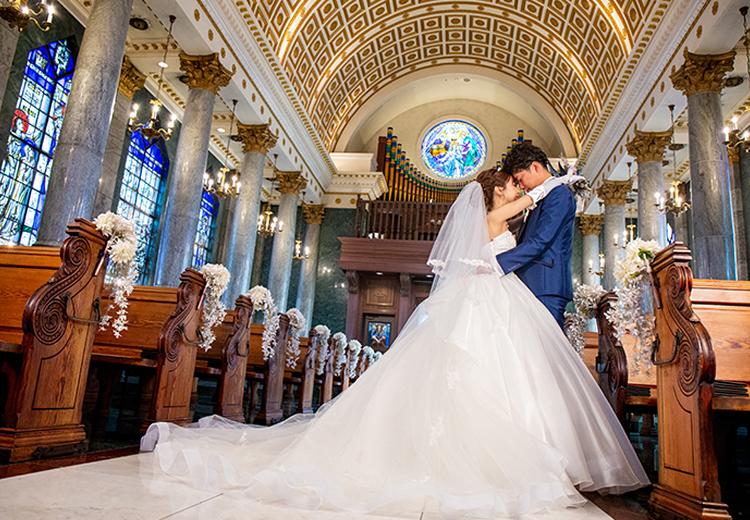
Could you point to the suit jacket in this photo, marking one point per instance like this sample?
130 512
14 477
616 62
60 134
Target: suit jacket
542 257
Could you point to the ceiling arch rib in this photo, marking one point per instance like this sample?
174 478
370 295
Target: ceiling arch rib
338 53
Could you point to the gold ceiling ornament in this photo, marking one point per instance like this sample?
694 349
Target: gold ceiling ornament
336 67
313 213
291 183
131 79
702 72
204 71
256 138
615 192
649 146
18 13
590 224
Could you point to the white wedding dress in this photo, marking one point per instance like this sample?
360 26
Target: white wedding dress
480 408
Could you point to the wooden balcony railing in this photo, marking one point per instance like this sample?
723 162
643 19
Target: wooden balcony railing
400 220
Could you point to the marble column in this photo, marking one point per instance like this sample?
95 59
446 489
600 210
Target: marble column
80 148
591 227
308 273
291 185
242 232
648 150
701 79
205 76
131 81
738 212
8 42
613 194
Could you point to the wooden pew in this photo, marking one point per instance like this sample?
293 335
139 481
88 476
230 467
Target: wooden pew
625 390
300 380
268 373
162 338
703 372
327 377
50 311
234 359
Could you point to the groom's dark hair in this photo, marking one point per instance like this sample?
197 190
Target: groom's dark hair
521 156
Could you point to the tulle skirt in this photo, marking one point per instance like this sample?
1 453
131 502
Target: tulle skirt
480 408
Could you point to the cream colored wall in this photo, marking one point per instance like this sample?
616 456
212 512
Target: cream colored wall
499 127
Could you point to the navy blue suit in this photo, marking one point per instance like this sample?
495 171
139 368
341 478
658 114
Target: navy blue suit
542 257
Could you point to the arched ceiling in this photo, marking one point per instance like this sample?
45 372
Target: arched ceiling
338 54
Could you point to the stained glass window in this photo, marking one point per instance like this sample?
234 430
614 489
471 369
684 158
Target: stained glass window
35 127
454 149
141 194
206 225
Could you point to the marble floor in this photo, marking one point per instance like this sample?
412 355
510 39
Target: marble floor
128 488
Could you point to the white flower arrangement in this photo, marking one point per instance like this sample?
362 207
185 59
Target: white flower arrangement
377 356
632 313
355 347
339 345
368 353
121 247
297 324
263 301
585 299
217 279
324 334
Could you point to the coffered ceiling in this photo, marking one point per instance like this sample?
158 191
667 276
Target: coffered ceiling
337 54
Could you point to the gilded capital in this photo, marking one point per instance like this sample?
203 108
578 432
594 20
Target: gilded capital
291 182
256 138
649 146
615 192
733 153
591 224
131 79
702 72
205 72
313 213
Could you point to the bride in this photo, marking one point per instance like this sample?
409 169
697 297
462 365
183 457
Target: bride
481 407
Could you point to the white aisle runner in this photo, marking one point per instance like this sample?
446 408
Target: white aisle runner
127 488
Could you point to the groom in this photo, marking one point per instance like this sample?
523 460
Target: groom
542 257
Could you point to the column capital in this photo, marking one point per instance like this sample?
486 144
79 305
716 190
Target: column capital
702 72
590 224
204 71
648 146
131 79
256 138
615 192
291 182
313 213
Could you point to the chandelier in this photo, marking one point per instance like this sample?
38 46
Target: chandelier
733 139
18 13
300 253
268 223
674 203
152 128
227 182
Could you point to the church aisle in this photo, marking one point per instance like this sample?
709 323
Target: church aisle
127 488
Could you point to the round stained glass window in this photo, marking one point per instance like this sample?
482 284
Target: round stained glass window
454 149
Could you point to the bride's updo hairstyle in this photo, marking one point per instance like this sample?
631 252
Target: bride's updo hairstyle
488 179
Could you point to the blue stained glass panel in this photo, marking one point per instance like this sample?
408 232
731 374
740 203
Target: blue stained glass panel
35 127
206 225
141 190
454 149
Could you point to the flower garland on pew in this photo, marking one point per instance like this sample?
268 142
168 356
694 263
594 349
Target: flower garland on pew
585 299
355 347
376 357
263 301
121 247
217 280
369 354
631 313
339 344
297 324
324 334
